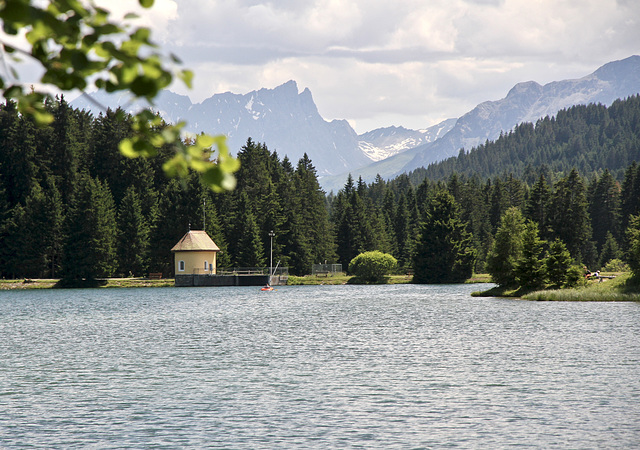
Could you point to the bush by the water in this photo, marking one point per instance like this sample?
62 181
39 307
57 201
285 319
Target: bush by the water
371 267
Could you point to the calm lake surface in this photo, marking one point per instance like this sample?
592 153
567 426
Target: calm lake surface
315 367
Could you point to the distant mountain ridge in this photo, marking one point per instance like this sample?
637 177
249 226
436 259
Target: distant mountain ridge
285 120
528 102
288 122
383 143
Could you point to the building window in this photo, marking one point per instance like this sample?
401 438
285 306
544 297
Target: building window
206 265
181 266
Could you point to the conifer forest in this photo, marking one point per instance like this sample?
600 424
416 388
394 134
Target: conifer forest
72 207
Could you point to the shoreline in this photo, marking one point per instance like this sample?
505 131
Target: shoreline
50 283
140 282
619 289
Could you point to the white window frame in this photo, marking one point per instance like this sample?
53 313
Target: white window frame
181 267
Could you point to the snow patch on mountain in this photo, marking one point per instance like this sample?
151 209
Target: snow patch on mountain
383 143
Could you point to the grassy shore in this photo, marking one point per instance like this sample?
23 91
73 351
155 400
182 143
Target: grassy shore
309 280
620 288
313 280
38 283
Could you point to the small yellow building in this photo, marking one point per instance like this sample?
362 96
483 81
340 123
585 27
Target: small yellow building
195 253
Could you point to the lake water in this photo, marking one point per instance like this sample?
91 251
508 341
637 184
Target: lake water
315 367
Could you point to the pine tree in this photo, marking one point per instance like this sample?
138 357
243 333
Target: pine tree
213 227
537 207
604 208
17 154
557 263
630 194
133 235
35 234
90 248
63 148
530 269
444 252
570 220
507 248
402 232
633 251
249 247
610 250
313 217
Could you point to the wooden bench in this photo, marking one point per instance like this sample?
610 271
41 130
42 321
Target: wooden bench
155 275
322 273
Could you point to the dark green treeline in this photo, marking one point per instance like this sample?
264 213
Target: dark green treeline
589 138
71 206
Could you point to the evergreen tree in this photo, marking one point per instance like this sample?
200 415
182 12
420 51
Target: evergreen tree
633 252
570 220
530 269
11 235
37 230
53 236
213 227
312 213
604 208
133 235
17 154
507 248
90 248
249 247
402 232
444 253
610 250
537 207
63 148
558 263
630 194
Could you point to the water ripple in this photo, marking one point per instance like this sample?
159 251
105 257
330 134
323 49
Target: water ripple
315 367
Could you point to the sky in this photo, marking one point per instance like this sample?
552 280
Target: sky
378 63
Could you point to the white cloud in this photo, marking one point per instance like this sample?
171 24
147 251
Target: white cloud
379 63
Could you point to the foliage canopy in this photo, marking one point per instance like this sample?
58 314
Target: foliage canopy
79 46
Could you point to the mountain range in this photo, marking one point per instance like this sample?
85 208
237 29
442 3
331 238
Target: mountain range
288 121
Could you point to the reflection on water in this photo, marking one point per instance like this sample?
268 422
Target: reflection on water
315 367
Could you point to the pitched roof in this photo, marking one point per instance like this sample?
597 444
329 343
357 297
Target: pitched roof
195 241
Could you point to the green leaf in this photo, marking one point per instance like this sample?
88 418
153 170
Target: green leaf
15 12
187 77
146 3
42 117
205 141
144 86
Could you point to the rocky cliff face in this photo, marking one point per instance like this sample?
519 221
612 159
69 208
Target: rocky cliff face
282 118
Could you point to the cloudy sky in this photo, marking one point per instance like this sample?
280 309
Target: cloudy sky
403 62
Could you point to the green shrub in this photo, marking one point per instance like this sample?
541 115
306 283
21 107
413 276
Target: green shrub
575 277
371 267
616 265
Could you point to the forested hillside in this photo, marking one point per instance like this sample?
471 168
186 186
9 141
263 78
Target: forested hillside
589 138
72 206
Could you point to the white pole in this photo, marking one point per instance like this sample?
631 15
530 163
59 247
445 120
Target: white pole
271 235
